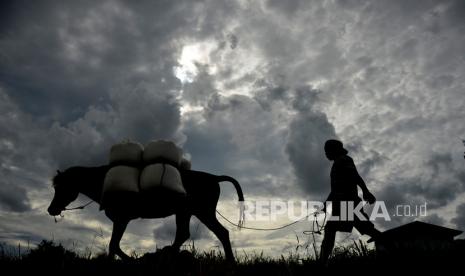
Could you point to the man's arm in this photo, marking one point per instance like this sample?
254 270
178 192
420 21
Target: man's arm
359 180
356 178
366 194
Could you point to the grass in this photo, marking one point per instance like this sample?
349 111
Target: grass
51 258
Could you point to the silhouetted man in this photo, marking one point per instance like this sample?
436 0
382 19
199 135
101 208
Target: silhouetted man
344 182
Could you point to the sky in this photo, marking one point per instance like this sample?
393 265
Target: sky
250 89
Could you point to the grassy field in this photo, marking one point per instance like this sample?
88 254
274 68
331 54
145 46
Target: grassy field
50 258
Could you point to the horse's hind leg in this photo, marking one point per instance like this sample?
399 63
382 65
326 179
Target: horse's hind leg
222 233
182 229
118 230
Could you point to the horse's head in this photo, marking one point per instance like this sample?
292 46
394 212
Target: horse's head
65 193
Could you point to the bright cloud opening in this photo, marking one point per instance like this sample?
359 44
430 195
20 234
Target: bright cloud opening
191 56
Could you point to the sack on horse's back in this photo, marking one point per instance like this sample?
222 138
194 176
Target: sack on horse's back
120 179
161 151
126 153
161 159
158 176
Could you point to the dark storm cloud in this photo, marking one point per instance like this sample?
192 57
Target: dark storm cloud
439 185
443 169
139 115
235 135
38 74
210 145
77 53
13 198
21 149
434 219
100 73
308 132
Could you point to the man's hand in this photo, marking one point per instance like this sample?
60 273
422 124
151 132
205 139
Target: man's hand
369 197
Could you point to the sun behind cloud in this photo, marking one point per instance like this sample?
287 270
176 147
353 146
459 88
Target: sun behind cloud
193 55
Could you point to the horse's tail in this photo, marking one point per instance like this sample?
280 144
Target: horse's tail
239 194
236 184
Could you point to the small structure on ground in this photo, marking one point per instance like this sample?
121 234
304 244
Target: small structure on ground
417 236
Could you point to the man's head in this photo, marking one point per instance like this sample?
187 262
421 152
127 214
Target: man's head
334 148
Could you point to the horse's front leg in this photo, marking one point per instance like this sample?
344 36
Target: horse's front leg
118 230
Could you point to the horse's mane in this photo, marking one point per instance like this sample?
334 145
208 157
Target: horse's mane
78 170
55 177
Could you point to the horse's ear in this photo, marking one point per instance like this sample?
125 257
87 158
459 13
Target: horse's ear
58 172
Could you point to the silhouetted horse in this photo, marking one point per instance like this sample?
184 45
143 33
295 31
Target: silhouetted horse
202 196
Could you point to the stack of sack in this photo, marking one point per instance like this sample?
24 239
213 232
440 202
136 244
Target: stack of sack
135 169
162 161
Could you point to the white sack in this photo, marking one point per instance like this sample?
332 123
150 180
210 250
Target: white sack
127 153
162 150
161 175
121 179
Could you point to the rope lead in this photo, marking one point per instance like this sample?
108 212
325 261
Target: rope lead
280 227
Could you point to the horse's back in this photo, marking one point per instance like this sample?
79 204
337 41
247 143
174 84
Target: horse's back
195 181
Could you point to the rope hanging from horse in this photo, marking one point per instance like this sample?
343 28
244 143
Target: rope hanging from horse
71 209
312 232
307 232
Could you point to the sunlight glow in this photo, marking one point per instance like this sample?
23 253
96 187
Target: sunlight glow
191 57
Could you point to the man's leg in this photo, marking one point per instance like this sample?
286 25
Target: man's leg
327 244
366 227
370 231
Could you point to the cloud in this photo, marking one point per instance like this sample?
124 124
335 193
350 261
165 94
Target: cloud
140 115
199 91
22 156
13 198
308 132
459 220
249 150
439 184
434 219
